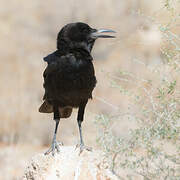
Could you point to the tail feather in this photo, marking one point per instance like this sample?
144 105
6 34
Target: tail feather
46 108
65 112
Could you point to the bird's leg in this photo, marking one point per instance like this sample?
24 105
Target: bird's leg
55 144
80 120
80 132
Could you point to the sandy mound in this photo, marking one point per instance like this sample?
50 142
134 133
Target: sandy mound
69 165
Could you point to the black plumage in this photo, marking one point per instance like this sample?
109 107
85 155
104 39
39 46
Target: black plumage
69 78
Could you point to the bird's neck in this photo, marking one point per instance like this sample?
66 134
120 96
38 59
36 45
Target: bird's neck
83 48
83 52
80 49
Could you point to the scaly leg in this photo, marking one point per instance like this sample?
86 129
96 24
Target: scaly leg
80 120
55 145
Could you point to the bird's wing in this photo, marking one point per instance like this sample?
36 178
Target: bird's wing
51 59
57 79
55 65
51 71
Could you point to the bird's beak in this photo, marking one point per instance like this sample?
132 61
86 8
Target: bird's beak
101 33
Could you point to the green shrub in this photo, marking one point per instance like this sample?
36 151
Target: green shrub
151 151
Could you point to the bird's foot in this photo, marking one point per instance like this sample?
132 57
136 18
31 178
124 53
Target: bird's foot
83 147
55 147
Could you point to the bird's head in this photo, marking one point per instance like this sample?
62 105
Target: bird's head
80 35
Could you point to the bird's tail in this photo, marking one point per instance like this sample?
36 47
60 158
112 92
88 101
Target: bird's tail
46 107
64 112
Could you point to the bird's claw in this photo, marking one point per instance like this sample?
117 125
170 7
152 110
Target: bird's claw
82 148
54 147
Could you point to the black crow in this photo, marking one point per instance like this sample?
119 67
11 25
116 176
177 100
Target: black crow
69 77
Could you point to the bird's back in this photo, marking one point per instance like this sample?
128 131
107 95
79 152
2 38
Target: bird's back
69 78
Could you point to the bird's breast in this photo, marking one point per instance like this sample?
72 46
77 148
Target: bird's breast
69 81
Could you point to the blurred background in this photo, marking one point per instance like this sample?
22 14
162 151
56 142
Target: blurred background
28 31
